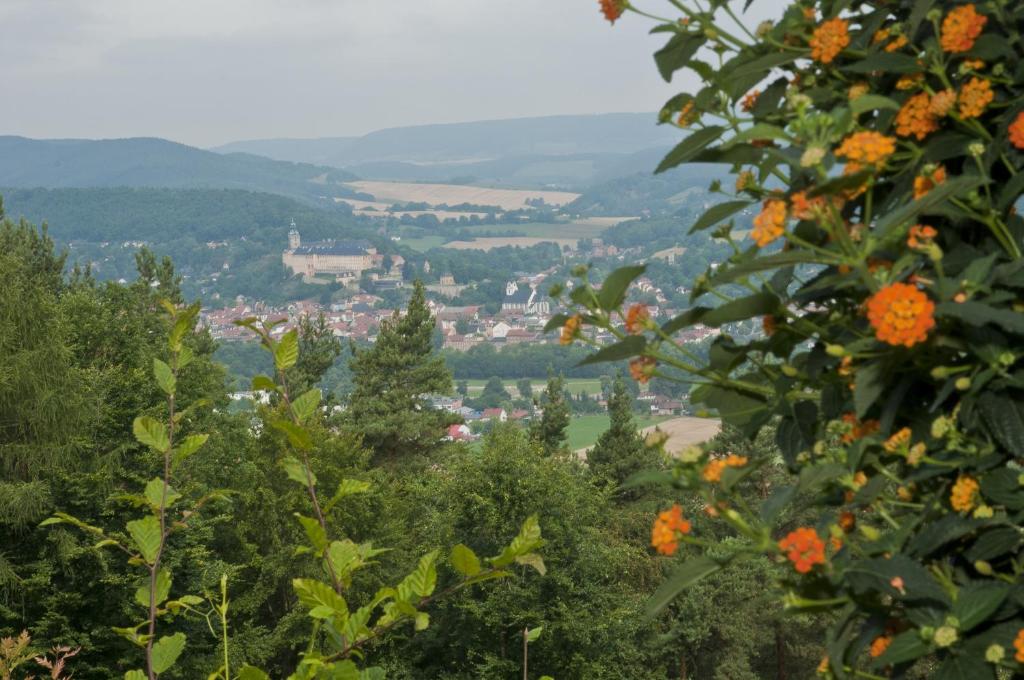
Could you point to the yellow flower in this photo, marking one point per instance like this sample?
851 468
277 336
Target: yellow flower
869 147
901 314
961 28
571 329
974 97
770 223
964 493
915 118
829 39
897 441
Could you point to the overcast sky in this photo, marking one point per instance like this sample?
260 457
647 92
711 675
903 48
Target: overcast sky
206 72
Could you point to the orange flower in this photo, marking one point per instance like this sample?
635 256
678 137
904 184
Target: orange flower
901 314
847 521
1018 644
942 103
897 441
744 180
925 183
858 430
1017 131
571 329
663 534
713 470
687 114
915 118
961 28
973 64
858 90
750 100
769 325
829 39
770 223
872 148
896 44
845 366
921 236
880 644
964 493
803 548
974 97
642 368
636 319
613 9
909 81
804 208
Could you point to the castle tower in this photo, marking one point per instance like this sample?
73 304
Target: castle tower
510 288
294 240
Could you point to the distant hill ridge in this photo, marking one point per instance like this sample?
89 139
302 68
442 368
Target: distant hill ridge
152 162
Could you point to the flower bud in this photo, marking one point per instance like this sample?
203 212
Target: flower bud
995 653
789 371
963 383
983 568
945 636
976 149
763 29
835 350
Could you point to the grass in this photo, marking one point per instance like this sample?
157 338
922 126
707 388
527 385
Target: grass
585 385
543 229
423 243
584 431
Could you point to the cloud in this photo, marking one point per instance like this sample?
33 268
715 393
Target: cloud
209 71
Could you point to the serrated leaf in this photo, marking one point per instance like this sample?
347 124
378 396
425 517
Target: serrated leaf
717 213
465 560
164 376
975 602
163 589
869 387
677 52
347 487
297 436
526 541
166 651
872 102
423 579
297 472
909 211
188 446
262 383
884 61
314 532
156 496
682 577
306 404
286 352
145 533
134 675
533 560
1004 419
248 672
748 307
690 147
906 646
533 634
151 433
613 290
315 594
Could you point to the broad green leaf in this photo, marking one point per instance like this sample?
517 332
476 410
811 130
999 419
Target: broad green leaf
163 589
297 436
188 446
152 433
533 560
347 487
762 263
424 578
528 539
613 290
286 352
134 675
156 496
677 53
314 532
248 672
164 376
1004 419
869 386
306 404
681 578
297 472
624 349
465 561
906 646
690 147
976 313
965 666
884 61
146 534
262 383
717 213
748 307
166 651
321 599
760 131
533 634
909 211
977 601
344 670
374 673
872 102
558 320
422 621
994 542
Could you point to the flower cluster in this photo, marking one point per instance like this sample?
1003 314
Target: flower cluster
713 470
666 530
901 314
770 223
829 39
804 548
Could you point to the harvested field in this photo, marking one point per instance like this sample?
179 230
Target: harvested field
454 194
682 431
488 243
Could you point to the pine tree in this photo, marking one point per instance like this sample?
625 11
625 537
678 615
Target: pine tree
620 452
549 430
392 379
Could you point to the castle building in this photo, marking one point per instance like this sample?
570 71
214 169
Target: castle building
524 300
349 258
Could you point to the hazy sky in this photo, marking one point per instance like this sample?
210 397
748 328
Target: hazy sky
206 72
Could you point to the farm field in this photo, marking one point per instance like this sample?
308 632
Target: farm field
454 194
489 242
585 385
422 243
574 230
584 431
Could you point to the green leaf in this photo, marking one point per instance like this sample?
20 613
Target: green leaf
262 383
977 601
716 213
164 376
465 560
306 404
151 433
1004 419
613 290
690 147
965 667
742 308
188 446
624 349
248 672
533 634
762 263
872 102
760 131
677 53
422 621
321 599
146 534
314 532
296 471
347 487
526 541
344 670
297 436
156 496
909 211
163 589
286 352
869 386
533 560
684 576
134 675
424 578
558 320
906 646
884 61
976 313
166 651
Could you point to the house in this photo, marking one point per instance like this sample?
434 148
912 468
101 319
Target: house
524 300
328 257
519 414
520 335
498 414
459 433
664 406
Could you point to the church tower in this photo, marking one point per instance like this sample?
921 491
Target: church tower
294 241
